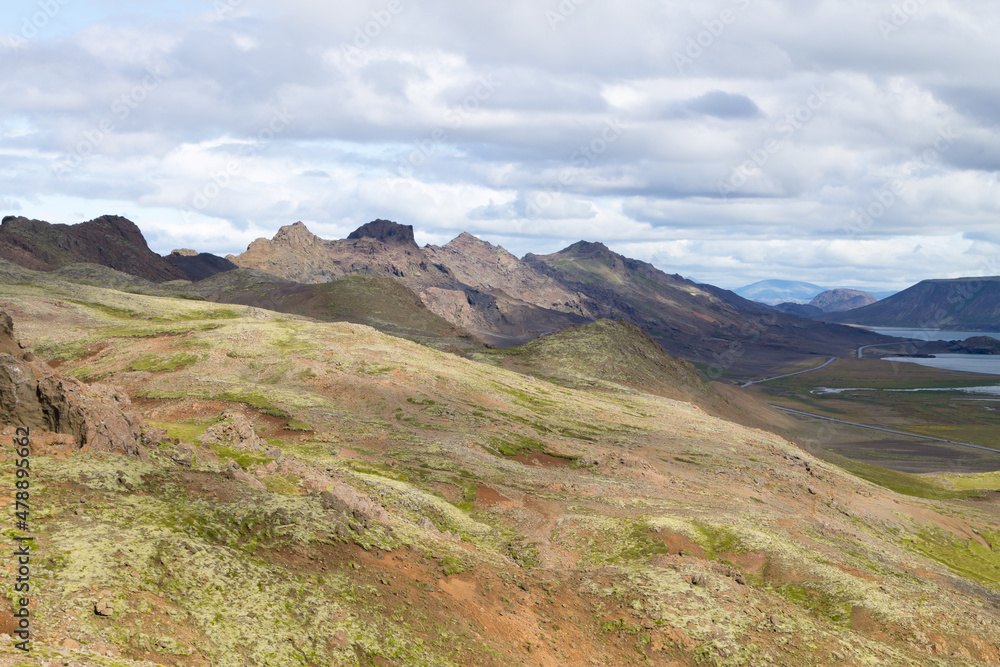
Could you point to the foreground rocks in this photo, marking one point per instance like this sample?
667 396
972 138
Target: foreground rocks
35 396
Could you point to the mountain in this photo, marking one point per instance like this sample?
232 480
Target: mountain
476 287
774 292
695 321
956 304
330 495
837 300
109 240
386 248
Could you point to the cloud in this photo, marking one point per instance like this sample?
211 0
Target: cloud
794 125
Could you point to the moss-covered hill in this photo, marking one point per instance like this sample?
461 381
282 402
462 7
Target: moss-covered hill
412 507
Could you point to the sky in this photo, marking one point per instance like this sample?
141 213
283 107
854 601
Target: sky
843 143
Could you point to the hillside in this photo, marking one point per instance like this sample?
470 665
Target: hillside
376 301
956 304
333 495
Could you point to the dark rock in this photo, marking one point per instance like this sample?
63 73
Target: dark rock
386 231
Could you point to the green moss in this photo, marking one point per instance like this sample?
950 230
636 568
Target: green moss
247 460
152 363
900 482
513 445
968 558
298 425
188 431
818 603
254 400
284 484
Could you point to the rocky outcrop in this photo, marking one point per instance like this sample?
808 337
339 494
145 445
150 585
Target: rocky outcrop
386 231
233 429
35 396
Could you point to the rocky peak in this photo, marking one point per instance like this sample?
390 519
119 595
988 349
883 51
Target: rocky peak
386 231
184 252
296 235
588 249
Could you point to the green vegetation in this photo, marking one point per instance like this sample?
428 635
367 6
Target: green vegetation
247 460
967 558
152 363
900 482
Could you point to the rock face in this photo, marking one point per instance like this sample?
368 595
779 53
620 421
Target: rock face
35 396
839 300
109 240
487 267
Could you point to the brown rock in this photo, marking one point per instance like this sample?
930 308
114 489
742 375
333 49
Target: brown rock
233 430
104 607
35 396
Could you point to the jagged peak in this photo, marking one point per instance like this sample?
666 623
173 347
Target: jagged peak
386 231
296 231
466 240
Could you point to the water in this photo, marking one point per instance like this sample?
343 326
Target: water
969 363
932 334
989 391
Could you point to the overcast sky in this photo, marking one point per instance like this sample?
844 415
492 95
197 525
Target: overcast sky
842 143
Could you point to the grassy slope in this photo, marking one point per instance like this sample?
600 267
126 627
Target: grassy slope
478 557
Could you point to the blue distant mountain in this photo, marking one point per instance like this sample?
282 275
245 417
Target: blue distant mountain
774 292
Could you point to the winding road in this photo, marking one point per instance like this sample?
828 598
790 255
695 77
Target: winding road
887 430
788 375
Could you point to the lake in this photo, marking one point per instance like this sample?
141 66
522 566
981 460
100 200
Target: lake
931 334
969 363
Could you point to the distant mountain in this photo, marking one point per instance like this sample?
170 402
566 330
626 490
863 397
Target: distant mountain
956 304
695 321
109 240
773 292
837 300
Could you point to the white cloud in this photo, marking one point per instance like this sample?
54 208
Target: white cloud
457 117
